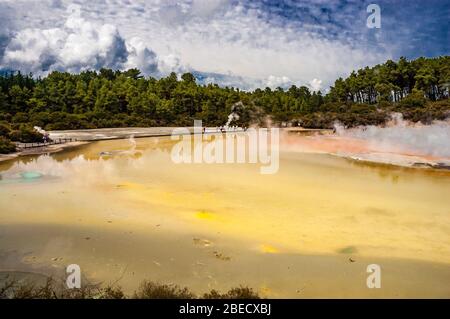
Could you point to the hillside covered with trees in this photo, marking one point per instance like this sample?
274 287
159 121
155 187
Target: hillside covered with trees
419 89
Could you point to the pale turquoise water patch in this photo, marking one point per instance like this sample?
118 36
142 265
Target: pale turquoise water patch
23 177
30 175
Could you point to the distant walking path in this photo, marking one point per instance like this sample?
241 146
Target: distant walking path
113 133
23 146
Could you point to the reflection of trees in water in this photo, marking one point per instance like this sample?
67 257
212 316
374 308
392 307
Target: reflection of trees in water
384 171
6 165
110 149
164 147
69 154
395 172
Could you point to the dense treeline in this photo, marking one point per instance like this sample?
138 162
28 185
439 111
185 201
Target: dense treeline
107 98
112 98
394 81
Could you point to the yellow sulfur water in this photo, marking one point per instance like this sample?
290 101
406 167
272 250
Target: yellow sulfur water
309 230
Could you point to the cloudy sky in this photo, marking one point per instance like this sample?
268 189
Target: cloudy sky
247 44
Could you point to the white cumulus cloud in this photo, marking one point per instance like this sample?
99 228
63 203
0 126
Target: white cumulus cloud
278 81
233 38
315 84
79 45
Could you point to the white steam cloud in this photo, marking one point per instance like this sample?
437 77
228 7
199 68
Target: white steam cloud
416 138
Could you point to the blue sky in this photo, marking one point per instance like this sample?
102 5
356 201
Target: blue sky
247 44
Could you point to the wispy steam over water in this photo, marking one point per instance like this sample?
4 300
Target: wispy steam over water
400 135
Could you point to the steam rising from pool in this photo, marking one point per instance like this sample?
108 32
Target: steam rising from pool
234 116
132 142
401 135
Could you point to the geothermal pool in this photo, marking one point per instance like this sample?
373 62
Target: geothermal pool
308 231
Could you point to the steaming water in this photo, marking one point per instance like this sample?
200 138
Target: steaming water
419 139
233 116
135 215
